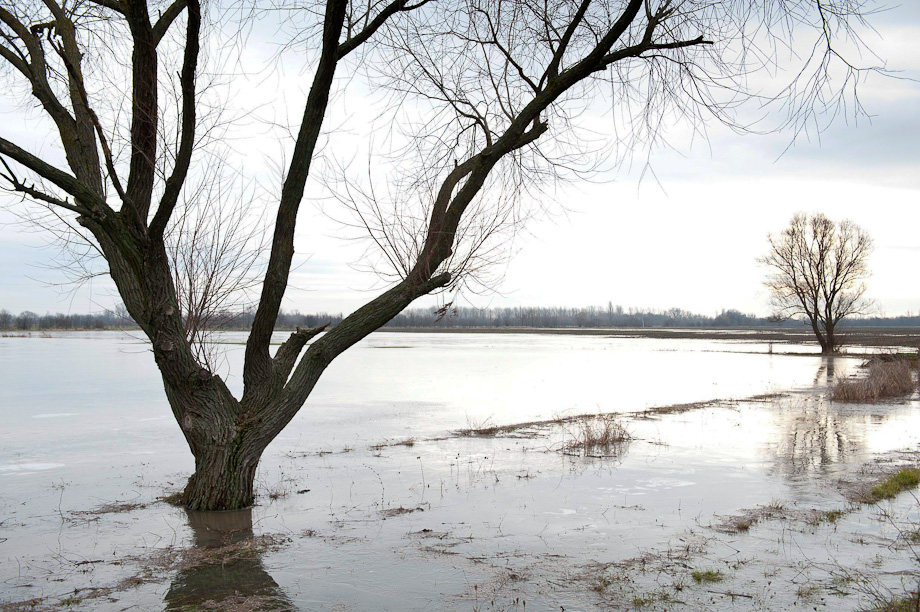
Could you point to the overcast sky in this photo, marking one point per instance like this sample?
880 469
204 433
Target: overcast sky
689 239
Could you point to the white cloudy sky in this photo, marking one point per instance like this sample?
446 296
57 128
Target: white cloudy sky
688 240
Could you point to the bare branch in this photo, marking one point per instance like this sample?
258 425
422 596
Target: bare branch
187 138
258 369
33 192
95 204
115 5
167 18
76 79
356 40
552 70
290 350
144 115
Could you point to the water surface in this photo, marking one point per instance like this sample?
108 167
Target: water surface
353 518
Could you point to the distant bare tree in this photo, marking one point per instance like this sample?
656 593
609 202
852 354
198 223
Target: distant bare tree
489 91
816 270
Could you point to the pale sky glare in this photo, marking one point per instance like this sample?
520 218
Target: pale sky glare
686 233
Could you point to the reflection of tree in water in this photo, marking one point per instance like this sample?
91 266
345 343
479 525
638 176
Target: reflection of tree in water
816 435
825 375
815 439
222 572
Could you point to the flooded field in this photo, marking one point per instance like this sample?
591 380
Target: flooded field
405 484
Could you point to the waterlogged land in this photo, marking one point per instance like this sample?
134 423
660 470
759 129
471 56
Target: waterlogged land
450 472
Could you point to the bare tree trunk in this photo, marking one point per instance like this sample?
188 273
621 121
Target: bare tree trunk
226 441
822 340
831 340
224 477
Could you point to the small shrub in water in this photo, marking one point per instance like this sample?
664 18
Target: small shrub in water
886 379
599 434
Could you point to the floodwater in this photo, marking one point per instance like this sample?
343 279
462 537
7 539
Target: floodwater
370 501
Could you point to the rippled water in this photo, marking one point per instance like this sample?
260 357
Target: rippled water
356 520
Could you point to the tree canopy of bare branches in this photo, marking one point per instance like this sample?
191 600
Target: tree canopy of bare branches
817 270
488 92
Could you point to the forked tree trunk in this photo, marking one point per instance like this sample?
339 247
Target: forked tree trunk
225 439
826 349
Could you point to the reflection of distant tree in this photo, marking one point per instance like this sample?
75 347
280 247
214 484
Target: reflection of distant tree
228 576
815 438
817 435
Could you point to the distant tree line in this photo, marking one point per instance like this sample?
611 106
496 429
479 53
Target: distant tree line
609 316
30 321
591 316
457 317
287 320
119 319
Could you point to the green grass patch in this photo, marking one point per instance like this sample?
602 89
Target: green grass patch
904 480
701 576
828 516
642 600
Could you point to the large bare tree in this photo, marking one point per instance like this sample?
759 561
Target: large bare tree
817 270
496 88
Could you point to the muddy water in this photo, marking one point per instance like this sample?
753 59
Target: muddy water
353 516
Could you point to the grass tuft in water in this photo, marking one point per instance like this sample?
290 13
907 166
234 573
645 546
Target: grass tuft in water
903 480
701 576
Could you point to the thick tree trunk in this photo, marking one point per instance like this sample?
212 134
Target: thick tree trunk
830 346
226 440
822 340
223 478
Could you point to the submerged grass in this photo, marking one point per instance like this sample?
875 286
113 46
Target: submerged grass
486 429
886 379
408 442
708 575
820 517
642 600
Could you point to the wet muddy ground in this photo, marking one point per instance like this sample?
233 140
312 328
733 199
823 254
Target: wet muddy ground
412 488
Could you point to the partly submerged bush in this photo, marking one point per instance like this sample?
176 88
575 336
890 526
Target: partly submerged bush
598 434
885 379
